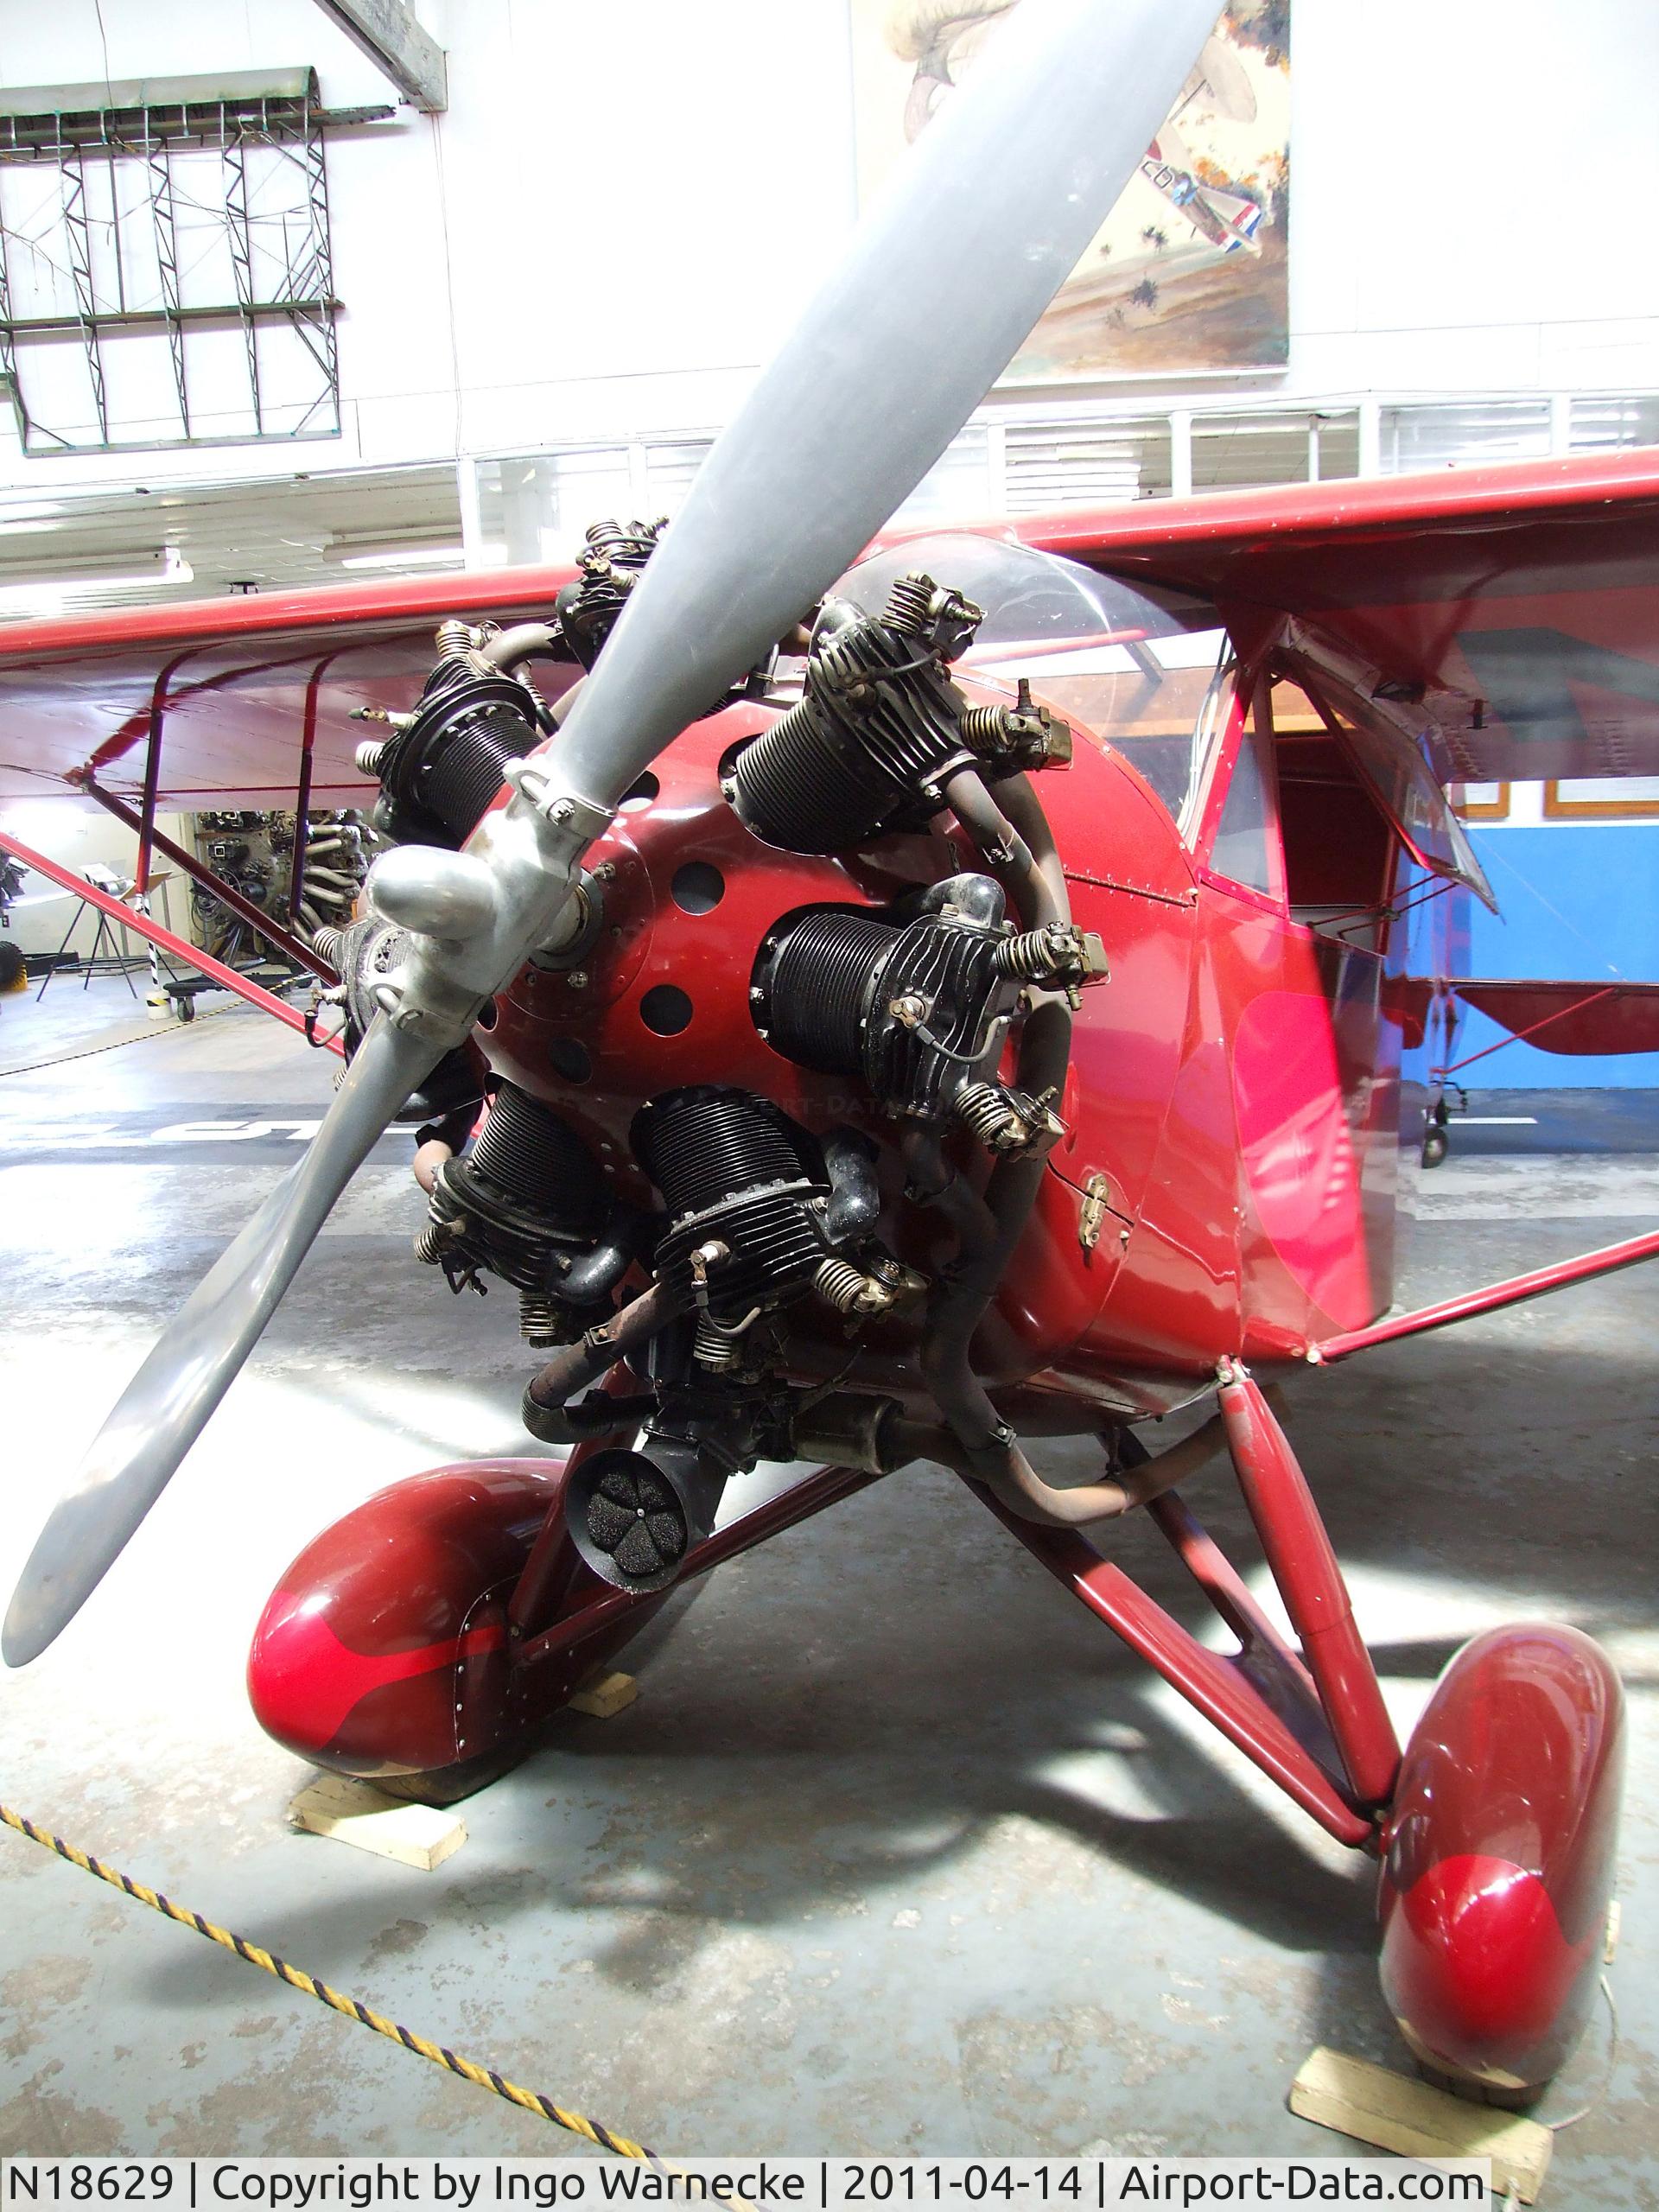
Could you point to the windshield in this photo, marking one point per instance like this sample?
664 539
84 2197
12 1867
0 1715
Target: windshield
1133 666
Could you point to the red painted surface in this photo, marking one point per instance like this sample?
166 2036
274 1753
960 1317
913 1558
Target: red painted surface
1571 1018
1498 1866
384 1646
1401 568
1216 1686
1304 1565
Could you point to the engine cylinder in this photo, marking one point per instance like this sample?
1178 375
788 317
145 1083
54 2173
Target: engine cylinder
818 987
745 1189
439 775
530 1155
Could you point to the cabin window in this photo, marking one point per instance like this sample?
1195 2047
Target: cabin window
1151 699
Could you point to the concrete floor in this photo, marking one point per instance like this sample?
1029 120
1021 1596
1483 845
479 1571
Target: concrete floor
899 1850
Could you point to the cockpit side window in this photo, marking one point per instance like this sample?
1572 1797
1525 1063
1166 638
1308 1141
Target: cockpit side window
1146 698
1242 851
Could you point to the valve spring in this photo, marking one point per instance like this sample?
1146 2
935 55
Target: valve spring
909 604
1032 954
708 1141
453 639
840 1284
542 1320
982 727
529 1154
633 539
429 1243
714 1348
369 755
985 1107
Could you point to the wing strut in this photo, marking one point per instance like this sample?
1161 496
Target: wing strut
130 919
1511 1292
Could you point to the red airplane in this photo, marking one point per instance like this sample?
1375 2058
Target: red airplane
893 1009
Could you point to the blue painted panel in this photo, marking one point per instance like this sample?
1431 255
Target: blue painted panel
1581 900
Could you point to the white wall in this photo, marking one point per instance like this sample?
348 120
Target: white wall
626 203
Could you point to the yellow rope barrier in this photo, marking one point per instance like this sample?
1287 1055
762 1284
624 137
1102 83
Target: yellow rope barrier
296 1978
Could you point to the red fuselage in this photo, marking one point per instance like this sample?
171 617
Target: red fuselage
1233 1100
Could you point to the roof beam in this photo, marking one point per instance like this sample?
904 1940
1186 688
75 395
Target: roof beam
388 33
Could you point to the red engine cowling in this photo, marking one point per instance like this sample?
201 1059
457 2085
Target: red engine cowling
1498 1869
383 1651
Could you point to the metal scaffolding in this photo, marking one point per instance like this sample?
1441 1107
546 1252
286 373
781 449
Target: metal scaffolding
106 249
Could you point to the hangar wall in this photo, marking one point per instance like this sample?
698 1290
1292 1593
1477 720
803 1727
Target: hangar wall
79 835
551 261
543 263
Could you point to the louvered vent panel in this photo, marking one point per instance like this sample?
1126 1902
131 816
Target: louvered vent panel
1073 464
1603 420
1441 436
1235 450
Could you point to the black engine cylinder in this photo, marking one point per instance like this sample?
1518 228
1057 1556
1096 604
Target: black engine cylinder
877 732
523 1203
915 1009
815 979
745 1189
527 1154
439 775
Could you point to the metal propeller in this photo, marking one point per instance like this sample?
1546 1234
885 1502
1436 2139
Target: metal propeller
931 300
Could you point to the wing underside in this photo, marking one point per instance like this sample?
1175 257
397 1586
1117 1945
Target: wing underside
1513 611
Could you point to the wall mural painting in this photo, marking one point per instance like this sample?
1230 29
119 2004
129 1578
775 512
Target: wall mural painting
1188 271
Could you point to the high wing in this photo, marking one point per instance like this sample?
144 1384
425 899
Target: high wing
220 702
1517 607
1512 613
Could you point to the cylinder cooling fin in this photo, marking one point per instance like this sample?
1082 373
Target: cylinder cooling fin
745 1188
526 1204
880 729
444 765
916 1008
608 567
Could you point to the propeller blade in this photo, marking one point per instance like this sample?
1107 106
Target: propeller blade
164 1408
939 286
941 283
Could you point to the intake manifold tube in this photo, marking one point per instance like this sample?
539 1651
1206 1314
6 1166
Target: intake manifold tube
547 1411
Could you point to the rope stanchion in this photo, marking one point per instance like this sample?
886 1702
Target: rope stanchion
296 1978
